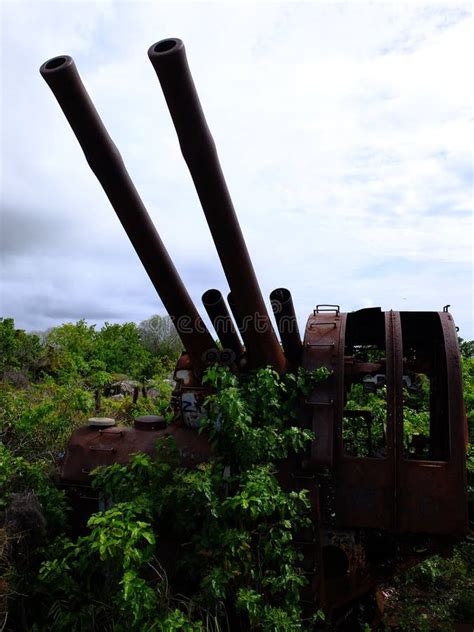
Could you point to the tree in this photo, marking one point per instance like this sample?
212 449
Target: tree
7 343
121 350
74 345
159 336
466 348
18 350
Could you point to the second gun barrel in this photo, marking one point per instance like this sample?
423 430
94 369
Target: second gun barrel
285 316
217 311
199 151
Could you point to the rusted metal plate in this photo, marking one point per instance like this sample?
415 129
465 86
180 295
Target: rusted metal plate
150 422
90 448
408 494
432 494
324 347
365 487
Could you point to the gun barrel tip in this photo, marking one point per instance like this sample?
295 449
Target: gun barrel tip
55 64
165 46
211 297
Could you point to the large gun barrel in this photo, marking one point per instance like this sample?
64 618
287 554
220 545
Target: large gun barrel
217 311
285 317
197 145
235 313
61 75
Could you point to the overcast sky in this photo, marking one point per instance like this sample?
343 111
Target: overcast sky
344 132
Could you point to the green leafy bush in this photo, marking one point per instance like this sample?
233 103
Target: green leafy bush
230 519
229 523
18 350
38 421
18 475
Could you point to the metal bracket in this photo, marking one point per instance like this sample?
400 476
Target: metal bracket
326 307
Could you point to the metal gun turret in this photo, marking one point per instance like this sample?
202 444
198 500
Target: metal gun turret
371 489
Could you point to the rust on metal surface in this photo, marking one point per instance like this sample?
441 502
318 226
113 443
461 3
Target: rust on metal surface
104 159
367 484
149 422
90 448
390 488
432 488
287 325
199 151
324 347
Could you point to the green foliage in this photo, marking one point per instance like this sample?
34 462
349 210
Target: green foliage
82 353
109 561
466 347
255 420
230 518
77 353
467 365
18 350
120 349
435 594
416 417
468 380
230 521
18 475
73 347
354 428
38 421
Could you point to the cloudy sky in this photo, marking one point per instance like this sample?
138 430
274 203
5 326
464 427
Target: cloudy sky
344 132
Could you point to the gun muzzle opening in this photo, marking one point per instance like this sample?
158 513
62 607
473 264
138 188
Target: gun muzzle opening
164 46
279 297
211 297
55 64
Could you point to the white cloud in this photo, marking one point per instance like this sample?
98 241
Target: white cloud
345 133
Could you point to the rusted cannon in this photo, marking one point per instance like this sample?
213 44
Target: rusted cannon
367 503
